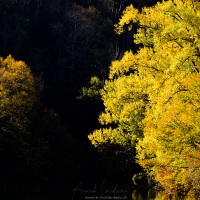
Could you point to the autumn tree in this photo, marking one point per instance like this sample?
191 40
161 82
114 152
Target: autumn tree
152 97
17 99
17 94
33 140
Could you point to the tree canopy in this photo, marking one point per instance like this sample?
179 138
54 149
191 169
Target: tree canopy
151 98
17 95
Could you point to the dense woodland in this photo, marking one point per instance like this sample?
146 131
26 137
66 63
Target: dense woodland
79 98
49 50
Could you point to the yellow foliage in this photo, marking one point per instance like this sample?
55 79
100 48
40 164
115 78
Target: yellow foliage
130 14
107 135
153 96
17 93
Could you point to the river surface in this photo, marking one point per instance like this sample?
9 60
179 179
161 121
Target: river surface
81 190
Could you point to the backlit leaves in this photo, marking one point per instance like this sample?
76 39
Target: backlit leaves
153 96
17 94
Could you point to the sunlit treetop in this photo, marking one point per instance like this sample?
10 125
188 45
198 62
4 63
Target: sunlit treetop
152 97
17 93
168 30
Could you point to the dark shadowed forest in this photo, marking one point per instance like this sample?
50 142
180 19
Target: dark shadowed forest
64 43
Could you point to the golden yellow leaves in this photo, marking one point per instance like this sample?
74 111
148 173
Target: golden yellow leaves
122 66
17 92
109 135
153 96
124 107
174 124
130 14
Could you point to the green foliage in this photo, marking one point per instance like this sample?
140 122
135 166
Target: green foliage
93 89
152 97
119 101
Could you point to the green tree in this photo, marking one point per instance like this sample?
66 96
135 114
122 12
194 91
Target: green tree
152 97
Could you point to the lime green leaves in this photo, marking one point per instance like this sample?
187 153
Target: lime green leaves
152 99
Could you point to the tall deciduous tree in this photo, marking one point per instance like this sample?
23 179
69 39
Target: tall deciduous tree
17 95
152 97
17 99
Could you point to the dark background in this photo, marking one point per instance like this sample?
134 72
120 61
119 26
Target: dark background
64 42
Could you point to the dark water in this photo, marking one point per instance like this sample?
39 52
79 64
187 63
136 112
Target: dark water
80 190
144 194
149 194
